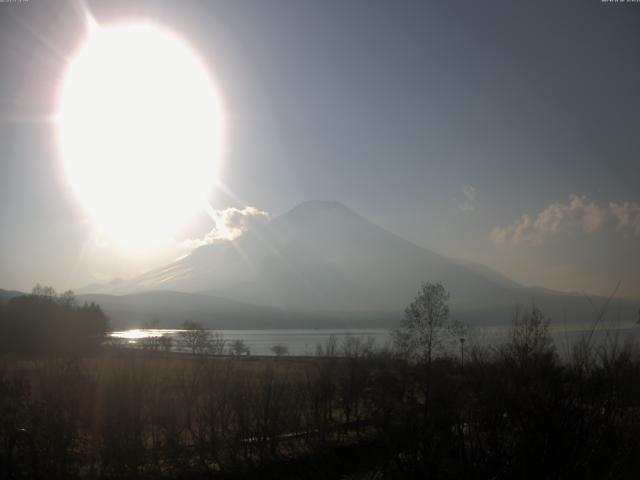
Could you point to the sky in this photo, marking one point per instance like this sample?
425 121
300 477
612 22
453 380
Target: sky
501 132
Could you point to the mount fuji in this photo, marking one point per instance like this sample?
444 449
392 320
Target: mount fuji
323 260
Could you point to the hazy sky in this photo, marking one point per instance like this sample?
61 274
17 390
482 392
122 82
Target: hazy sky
498 131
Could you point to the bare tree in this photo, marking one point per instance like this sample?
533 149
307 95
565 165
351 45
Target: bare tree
426 325
165 343
44 292
353 376
530 337
583 351
217 344
329 348
279 350
195 338
357 347
150 343
424 330
67 299
238 348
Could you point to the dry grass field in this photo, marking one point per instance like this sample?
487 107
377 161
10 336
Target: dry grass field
516 412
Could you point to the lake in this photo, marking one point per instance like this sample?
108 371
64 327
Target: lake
304 341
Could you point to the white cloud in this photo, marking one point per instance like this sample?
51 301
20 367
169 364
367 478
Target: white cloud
627 215
470 202
557 217
230 223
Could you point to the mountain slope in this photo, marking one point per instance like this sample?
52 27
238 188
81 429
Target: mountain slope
321 256
322 260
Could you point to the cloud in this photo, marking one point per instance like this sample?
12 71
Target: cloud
627 215
577 213
230 224
470 202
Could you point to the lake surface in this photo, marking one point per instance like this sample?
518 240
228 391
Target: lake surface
304 341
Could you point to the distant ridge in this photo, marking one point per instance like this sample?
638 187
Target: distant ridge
6 295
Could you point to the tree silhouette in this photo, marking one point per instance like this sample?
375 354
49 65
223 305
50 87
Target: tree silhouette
238 347
45 321
195 338
279 350
425 328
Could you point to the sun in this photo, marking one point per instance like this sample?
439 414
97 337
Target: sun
139 130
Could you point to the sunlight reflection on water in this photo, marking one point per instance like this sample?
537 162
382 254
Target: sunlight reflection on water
304 341
139 333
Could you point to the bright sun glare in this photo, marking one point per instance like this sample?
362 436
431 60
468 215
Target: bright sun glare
139 127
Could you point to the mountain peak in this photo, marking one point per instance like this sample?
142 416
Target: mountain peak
321 205
319 211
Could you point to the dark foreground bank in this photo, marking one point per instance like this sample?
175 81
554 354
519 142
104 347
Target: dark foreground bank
512 412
